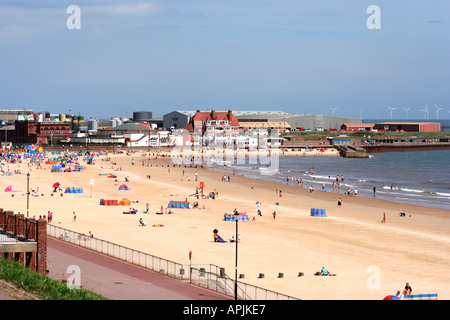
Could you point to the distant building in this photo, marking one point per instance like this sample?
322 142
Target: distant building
180 118
134 135
215 127
177 119
142 116
33 129
357 126
408 126
9 115
299 121
280 127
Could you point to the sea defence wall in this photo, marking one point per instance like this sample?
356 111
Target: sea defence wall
24 240
405 147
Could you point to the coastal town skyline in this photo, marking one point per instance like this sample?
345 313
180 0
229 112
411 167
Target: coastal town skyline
107 58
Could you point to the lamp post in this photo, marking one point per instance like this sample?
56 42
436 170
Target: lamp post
28 193
236 216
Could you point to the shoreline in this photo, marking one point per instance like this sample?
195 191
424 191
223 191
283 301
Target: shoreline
348 241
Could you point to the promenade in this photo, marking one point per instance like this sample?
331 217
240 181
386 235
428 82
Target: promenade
116 279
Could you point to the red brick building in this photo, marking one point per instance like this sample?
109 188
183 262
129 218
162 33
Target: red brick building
214 127
30 130
213 121
409 126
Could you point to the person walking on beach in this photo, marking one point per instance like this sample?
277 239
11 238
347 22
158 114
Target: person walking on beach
339 202
74 217
374 190
274 214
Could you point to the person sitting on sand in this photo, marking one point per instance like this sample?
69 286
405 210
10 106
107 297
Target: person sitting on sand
324 272
407 290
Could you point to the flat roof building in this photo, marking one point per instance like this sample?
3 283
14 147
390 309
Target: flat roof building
409 126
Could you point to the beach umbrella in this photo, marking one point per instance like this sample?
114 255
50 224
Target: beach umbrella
123 187
8 189
56 185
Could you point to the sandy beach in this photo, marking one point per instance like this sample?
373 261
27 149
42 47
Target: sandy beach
370 259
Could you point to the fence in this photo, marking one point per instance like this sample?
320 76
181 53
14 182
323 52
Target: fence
213 279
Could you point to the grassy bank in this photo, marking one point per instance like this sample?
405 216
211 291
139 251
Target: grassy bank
41 286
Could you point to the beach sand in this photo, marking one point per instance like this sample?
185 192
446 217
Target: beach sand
370 259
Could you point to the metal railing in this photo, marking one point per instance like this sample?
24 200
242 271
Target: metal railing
213 279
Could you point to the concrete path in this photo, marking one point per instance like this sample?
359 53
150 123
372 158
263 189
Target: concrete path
116 279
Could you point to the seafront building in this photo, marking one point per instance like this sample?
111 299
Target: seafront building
210 127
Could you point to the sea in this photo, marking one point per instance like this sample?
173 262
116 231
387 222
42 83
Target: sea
414 177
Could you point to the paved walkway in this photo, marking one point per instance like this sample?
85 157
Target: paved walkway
116 279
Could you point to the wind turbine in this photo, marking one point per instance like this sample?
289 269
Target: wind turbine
437 111
407 109
425 110
392 109
332 111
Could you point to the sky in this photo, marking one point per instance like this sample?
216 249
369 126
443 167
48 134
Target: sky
113 58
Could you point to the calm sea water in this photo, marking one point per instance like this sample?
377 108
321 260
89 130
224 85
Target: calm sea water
415 177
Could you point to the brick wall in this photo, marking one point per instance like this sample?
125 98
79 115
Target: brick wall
26 229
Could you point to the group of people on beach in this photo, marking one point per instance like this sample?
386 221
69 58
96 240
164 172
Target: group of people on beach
48 217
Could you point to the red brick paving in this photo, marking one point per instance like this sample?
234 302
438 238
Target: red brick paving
117 279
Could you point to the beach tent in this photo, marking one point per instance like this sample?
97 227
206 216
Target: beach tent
73 190
8 189
390 297
178 205
109 202
318 212
123 187
232 217
124 202
111 175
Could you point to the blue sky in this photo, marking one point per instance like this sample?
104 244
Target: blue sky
296 56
